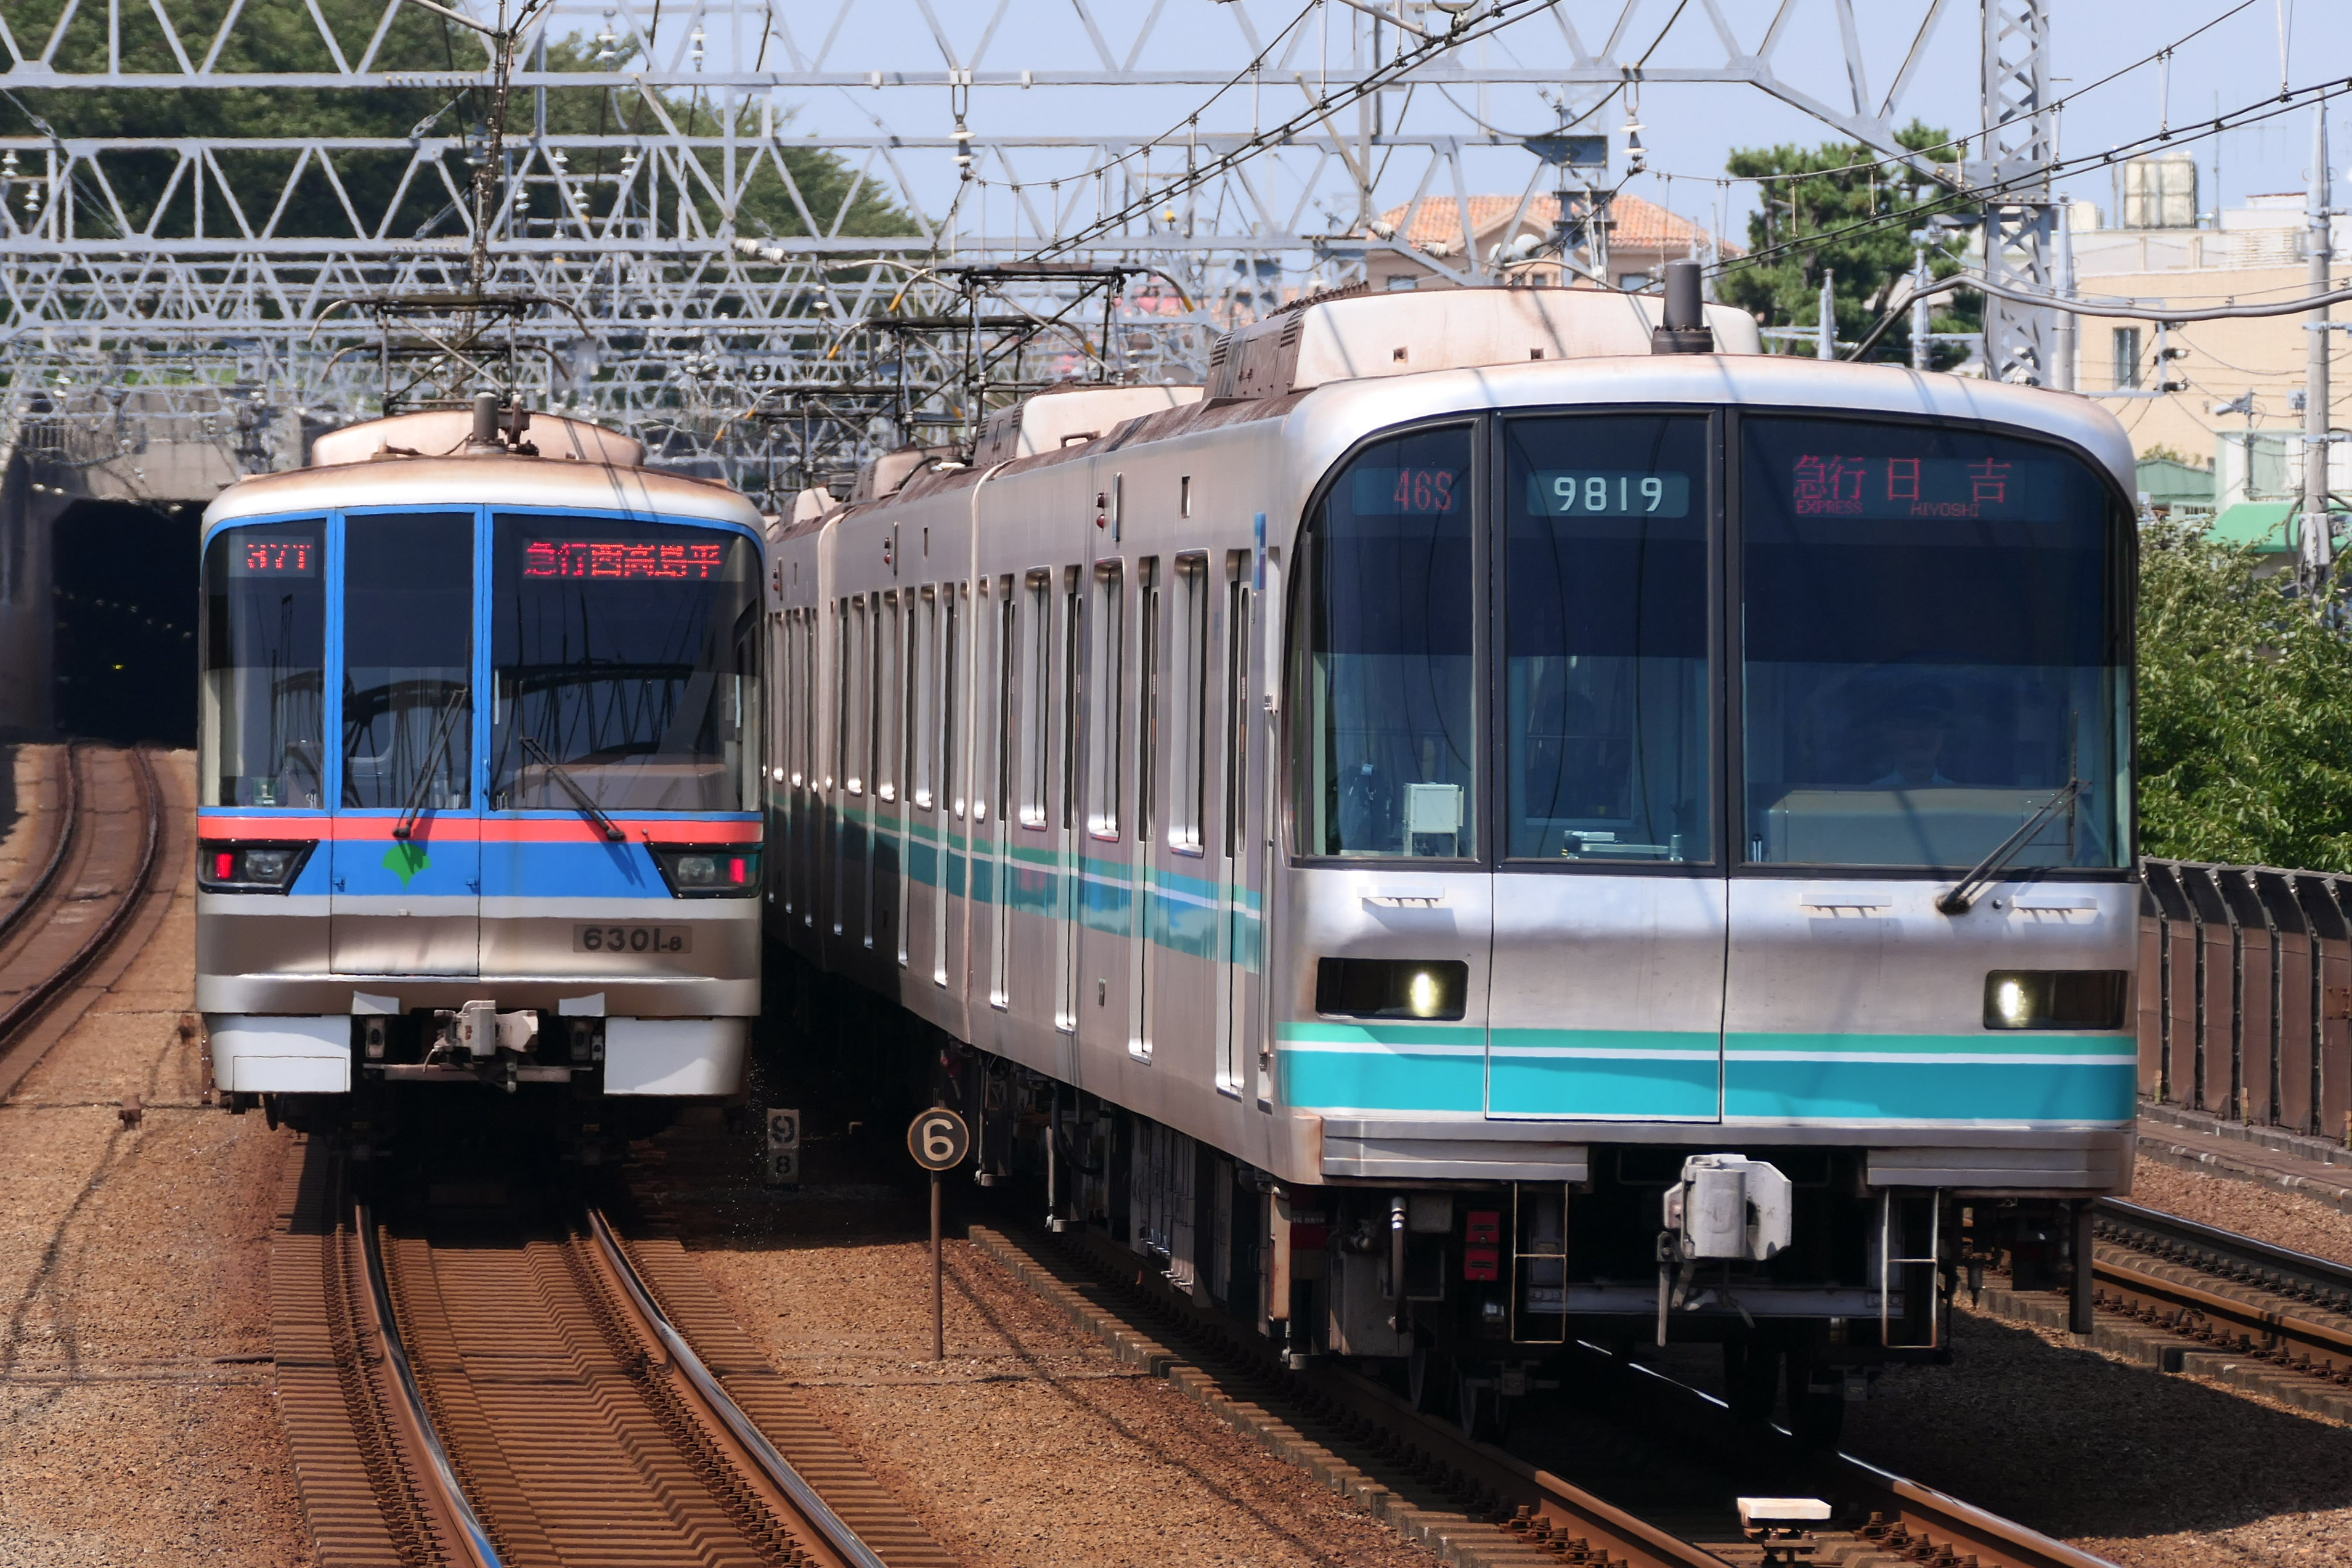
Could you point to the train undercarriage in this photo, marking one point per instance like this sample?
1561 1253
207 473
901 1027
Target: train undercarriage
1466 1295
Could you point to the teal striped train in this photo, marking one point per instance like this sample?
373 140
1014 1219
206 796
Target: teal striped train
1505 817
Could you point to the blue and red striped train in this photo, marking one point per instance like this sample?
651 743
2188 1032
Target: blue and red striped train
479 768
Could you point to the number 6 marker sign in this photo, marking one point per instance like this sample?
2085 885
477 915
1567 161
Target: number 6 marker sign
939 1140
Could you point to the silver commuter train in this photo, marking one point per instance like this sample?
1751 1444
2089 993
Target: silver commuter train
402 883
1460 838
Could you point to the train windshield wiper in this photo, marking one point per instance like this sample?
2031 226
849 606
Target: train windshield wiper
414 806
1963 898
572 787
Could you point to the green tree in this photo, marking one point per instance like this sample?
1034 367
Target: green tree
280 36
1810 192
2245 712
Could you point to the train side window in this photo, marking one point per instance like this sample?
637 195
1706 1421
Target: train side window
1384 728
1188 774
1107 682
1238 606
890 702
808 690
1147 690
922 695
950 780
1071 607
1036 673
1000 773
855 699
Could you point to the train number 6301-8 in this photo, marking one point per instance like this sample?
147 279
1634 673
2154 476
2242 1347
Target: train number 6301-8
632 939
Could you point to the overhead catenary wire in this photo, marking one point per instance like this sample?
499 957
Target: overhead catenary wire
2121 310
1977 196
1319 108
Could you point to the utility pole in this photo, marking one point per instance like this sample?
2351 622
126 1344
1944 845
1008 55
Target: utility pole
2018 151
2318 547
1825 334
2064 326
1922 313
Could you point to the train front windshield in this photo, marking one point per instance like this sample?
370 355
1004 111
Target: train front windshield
1933 648
1919 635
624 665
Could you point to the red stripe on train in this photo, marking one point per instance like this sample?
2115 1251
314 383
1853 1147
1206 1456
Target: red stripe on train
486 829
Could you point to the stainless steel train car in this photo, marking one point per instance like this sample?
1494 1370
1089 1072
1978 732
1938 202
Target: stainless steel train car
479 765
1507 817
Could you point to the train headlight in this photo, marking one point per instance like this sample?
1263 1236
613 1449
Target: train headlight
225 867
706 871
1420 995
2055 998
1392 987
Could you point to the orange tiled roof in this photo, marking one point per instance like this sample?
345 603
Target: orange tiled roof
1641 226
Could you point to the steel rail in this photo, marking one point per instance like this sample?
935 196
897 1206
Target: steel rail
1922 1512
37 999
445 1493
70 822
779 1470
1652 1399
1569 1509
2279 1269
2141 1293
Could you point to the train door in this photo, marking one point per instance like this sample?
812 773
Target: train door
1106 905
1609 913
1150 725
1069 844
1237 915
996 787
404 893
1181 958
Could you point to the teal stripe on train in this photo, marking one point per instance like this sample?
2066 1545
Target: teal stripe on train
1987 1077
1645 1075
1637 1074
1381 1067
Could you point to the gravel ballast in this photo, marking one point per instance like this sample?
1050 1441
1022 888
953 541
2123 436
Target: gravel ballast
2281 1219
1031 1443
135 1264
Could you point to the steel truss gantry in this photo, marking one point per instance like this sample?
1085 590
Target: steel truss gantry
690 273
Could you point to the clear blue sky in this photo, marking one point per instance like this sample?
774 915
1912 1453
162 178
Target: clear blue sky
1688 129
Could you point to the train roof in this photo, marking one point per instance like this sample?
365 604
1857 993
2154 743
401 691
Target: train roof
421 459
1335 367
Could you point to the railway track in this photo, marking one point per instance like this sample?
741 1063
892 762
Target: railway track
110 833
1636 1470
2232 1292
511 1390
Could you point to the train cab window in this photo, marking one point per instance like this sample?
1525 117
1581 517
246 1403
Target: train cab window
1605 638
1385 722
408 660
626 665
265 662
1935 637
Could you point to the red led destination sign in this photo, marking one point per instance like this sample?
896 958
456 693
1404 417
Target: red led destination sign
1830 484
261 555
625 560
